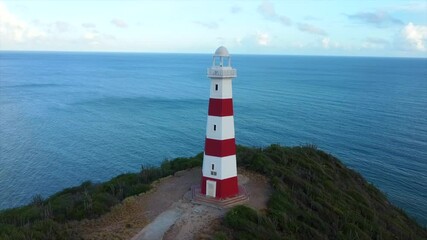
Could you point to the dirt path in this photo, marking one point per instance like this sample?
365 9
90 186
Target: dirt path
166 212
157 228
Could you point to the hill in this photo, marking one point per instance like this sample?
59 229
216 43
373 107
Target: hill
314 197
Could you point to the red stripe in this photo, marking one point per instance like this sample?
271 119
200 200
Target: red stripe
220 107
220 148
225 188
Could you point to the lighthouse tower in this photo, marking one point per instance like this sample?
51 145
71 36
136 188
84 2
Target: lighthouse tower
219 170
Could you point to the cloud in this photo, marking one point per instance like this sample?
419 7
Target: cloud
263 39
209 25
311 29
90 35
52 28
95 38
285 20
415 37
119 23
253 40
326 42
378 19
235 9
60 26
267 10
17 34
88 25
15 30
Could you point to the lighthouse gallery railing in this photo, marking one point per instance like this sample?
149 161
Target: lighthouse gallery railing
221 72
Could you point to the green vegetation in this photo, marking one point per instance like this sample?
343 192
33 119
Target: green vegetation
315 197
47 219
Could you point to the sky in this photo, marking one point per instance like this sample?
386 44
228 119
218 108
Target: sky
391 28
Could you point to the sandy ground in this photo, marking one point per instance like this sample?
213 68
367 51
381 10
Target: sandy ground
166 212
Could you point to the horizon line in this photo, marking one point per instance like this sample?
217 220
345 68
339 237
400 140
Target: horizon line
204 53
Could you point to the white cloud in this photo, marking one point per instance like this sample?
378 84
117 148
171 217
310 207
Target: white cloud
119 23
61 26
16 33
285 20
256 40
92 38
415 36
95 38
311 29
326 42
267 10
15 30
89 36
263 39
379 19
88 25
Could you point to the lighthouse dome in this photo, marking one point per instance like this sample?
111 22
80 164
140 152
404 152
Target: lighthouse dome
222 52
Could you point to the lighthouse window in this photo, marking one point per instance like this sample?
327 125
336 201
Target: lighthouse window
216 87
214 127
213 166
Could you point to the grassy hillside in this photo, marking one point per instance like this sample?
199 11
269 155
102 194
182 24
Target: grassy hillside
47 218
314 197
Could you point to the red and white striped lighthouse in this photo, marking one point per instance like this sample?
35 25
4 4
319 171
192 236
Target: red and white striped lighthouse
219 170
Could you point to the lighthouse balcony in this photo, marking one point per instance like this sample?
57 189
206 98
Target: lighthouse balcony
222 72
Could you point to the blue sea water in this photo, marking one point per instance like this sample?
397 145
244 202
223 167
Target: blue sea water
70 117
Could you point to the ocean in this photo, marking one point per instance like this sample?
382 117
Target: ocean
70 117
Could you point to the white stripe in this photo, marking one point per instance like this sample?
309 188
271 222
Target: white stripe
224 88
220 128
224 167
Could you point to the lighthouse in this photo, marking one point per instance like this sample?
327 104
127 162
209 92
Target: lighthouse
219 171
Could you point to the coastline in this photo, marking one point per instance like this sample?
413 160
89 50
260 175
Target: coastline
302 179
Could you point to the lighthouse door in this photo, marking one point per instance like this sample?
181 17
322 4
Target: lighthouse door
211 188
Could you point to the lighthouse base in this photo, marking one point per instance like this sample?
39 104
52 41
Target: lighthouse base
201 198
220 189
